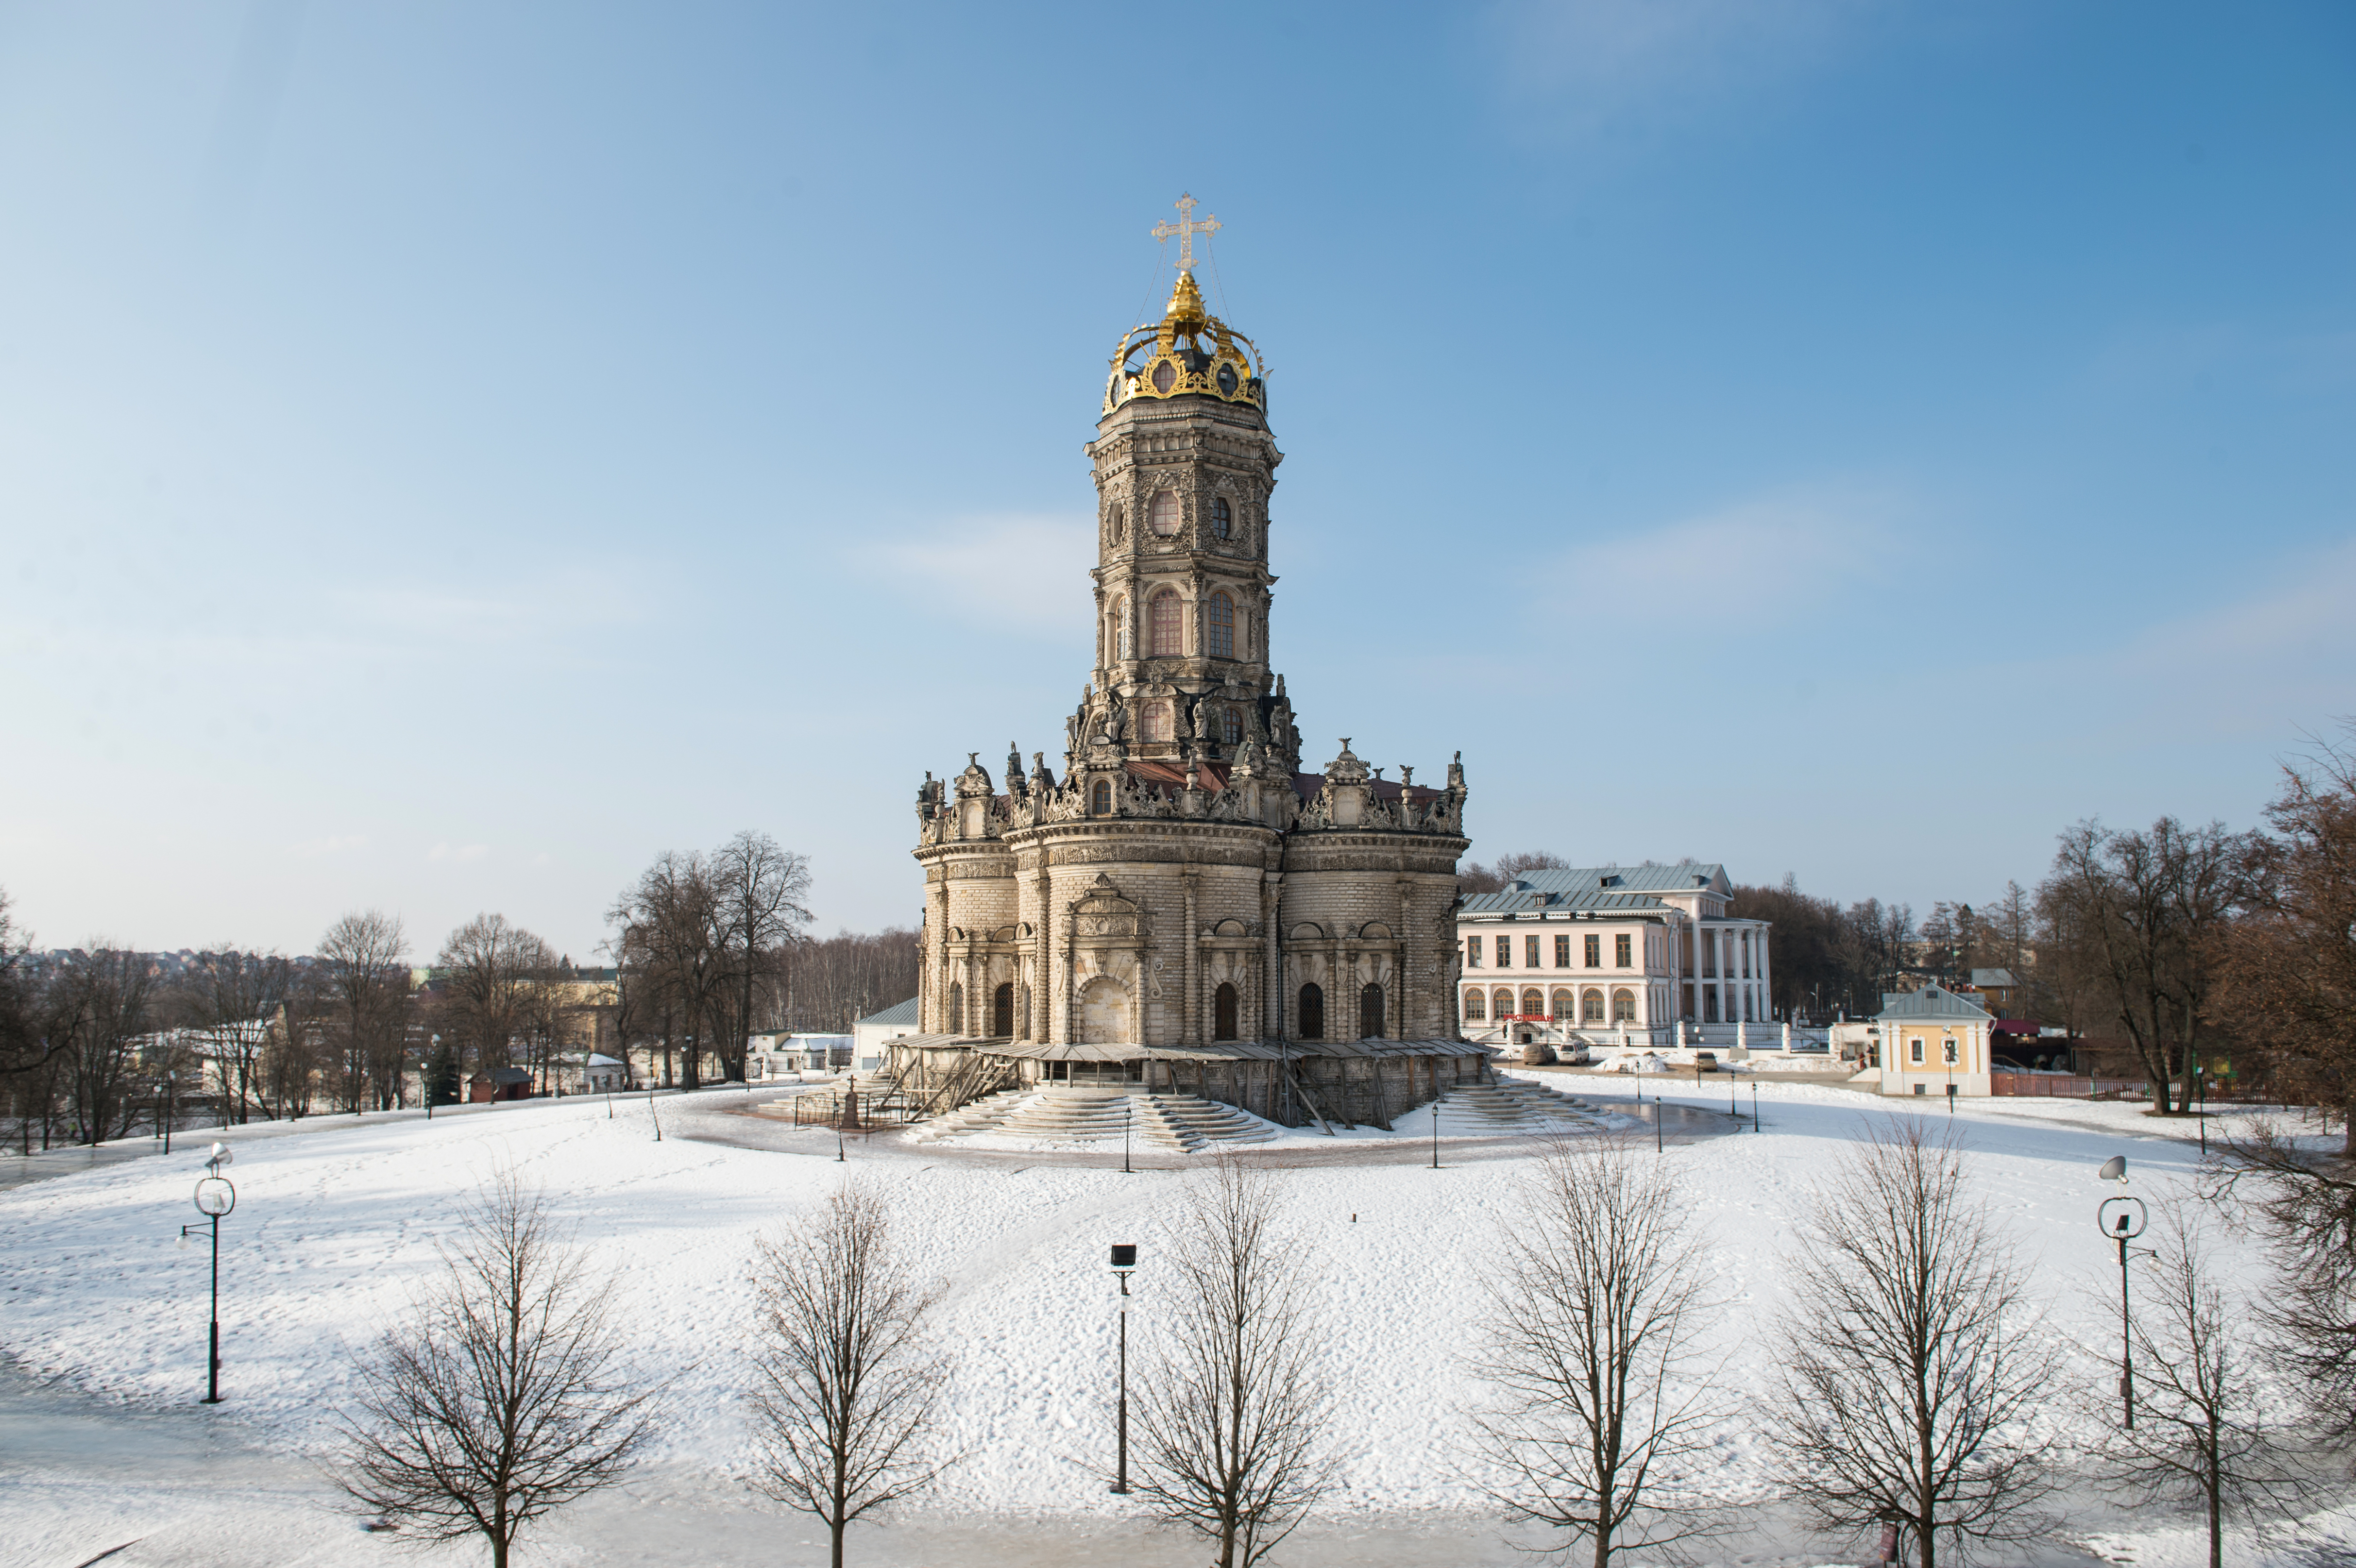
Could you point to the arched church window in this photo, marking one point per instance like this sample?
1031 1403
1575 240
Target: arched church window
1121 636
1168 638
1165 513
1223 625
1117 523
1231 727
1223 517
1223 1013
957 1008
1157 722
1312 1011
1100 799
1370 1013
1001 1011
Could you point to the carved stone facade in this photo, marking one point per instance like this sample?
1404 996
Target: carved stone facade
1184 883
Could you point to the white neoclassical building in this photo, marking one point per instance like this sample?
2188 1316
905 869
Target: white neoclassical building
1616 956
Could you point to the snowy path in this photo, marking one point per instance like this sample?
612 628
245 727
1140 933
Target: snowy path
332 1230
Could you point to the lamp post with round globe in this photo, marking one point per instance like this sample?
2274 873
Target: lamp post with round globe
2122 1219
214 1197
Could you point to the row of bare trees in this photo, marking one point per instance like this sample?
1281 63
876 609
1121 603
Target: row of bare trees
502 1395
97 1043
703 941
1914 1381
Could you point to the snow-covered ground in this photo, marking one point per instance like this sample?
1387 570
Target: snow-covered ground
104 1314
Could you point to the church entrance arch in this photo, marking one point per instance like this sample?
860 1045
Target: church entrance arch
1312 1011
1001 1011
1104 1012
1223 1012
1370 1013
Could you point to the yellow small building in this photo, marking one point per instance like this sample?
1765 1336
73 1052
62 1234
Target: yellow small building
1934 1042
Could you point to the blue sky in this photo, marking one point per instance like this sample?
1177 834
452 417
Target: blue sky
450 455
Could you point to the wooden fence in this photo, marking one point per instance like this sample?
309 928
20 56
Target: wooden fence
2066 1086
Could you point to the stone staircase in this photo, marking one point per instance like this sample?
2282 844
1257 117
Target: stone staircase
1506 1105
1181 1123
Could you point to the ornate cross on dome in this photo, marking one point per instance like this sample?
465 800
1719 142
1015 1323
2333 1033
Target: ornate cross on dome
1186 227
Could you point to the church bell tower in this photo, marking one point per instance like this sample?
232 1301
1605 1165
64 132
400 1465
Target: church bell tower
1184 468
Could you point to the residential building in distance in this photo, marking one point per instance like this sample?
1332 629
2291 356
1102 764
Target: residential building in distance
1616 956
1934 1041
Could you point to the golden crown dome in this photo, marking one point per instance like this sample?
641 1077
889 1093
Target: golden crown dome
1190 353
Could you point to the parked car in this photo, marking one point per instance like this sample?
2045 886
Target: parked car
1705 1061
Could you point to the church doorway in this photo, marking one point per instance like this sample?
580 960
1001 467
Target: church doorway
1001 1012
1223 1013
1312 1011
1370 1013
1104 1012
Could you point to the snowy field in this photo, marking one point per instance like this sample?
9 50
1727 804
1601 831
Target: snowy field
103 1317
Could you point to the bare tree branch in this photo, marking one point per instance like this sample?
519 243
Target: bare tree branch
847 1389
1601 1416
1907 1369
498 1402
1234 1404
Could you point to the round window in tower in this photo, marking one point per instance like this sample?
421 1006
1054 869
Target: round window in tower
1227 380
1223 517
1165 375
1164 514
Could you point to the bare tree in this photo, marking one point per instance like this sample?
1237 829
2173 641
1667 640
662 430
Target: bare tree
2148 911
847 1388
1602 1415
1237 1400
224 1000
499 1400
2199 1436
760 890
368 985
672 919
490 966
96 1007
2305 1205
2289 970
1908 1365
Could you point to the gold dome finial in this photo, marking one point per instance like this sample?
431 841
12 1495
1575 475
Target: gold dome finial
1185 312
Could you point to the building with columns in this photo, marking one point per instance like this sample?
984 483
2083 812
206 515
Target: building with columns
1182 893
1616 954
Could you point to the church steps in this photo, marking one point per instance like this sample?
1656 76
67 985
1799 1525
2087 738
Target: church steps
1183 1123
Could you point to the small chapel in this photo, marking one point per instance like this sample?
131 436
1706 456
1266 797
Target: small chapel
1184 904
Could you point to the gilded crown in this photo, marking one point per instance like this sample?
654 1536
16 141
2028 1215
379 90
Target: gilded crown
1191 353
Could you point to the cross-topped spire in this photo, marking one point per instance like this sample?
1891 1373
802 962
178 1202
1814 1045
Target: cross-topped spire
1186 227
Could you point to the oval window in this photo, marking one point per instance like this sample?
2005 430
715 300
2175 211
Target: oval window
1165 512
1227 380
1165 375
1223 517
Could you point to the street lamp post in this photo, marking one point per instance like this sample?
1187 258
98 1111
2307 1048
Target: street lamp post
171 1087
214 1197
1124 1258
432 1060
1754 1104
2121 1225
1435 1131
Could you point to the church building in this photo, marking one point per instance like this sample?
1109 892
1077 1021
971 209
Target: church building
1183 896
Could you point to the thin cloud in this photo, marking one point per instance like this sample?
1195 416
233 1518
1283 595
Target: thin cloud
1580 66
1014 573
1794 549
